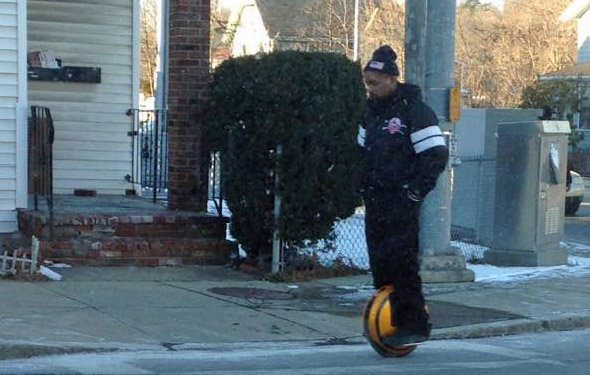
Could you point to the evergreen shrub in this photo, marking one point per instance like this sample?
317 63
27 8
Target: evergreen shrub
311 104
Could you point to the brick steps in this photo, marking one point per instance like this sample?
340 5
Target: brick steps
143 240
66 226
139 251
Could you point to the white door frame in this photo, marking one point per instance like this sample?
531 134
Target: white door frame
22 108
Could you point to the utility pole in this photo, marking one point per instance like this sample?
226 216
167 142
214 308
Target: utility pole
430 30
356 29
415 43
276 263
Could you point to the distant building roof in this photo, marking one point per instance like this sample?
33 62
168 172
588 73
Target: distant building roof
575 10
582 70
287 18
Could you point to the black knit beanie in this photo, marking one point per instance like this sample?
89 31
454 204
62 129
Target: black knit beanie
383 61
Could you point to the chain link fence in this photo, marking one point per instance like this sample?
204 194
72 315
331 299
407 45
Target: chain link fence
472 214
345 247
472 208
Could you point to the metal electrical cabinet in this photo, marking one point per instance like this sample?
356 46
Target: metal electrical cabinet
530 194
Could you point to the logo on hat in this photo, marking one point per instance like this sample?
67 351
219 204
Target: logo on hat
376 65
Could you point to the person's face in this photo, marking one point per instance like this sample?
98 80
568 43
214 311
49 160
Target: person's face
379 85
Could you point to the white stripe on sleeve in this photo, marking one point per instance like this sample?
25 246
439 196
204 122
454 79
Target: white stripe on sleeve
422 134
360 138
429 143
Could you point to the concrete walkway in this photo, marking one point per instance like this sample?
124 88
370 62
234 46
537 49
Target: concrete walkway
96 309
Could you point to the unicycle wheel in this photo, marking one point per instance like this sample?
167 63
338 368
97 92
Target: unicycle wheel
377 325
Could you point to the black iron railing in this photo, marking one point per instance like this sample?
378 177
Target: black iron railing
41 135
150 158
215 192
150 152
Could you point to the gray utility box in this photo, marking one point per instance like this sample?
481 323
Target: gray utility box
474 179
530 194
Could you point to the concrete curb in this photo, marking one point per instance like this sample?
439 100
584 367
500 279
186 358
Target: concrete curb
513 327
20 349
28 351
15 350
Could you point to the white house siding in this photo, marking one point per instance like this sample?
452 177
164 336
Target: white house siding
250 35
584 38
9 111
91 149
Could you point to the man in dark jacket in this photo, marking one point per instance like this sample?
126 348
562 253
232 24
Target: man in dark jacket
403 152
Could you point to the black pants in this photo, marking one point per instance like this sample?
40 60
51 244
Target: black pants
391 228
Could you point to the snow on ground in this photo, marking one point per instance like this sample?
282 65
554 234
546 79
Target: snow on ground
50 274
349 247
212 208
577 249
577 266
49 263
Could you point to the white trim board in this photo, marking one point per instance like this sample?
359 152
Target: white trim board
21 110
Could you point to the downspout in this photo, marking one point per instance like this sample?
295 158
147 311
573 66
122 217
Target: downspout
161 101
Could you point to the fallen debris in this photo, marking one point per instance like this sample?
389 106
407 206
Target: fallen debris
52 275
23 264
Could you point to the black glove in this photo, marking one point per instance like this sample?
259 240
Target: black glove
413 194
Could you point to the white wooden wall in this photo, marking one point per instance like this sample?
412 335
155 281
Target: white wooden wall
92 149
9 112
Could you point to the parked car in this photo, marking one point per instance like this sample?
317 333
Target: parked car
574 194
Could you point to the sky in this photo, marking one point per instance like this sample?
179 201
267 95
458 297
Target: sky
498 3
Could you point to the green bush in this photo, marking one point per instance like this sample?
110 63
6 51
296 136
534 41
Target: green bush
311 104
562 95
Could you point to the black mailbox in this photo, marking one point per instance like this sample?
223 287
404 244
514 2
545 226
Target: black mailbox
44 74
81 74
78 74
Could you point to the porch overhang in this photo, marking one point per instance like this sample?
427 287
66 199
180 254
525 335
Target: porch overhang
581 71
575 10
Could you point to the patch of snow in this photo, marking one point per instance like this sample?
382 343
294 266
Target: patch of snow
349 247
242 252
61 265
349 244
576 248
49 263
471 252
490 274
50 274
212 208
360 293
347 287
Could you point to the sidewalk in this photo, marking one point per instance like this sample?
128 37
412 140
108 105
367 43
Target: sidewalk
96 309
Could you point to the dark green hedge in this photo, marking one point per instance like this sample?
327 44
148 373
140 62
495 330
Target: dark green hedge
311 104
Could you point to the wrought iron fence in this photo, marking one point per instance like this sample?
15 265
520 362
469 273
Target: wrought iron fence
150 152
215 192
41 135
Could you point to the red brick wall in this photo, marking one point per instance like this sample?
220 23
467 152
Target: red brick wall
187 98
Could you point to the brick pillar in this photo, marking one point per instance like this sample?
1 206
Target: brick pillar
188 64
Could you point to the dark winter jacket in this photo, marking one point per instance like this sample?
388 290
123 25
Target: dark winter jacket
403 147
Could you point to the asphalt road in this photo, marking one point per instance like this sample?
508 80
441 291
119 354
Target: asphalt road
560 353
